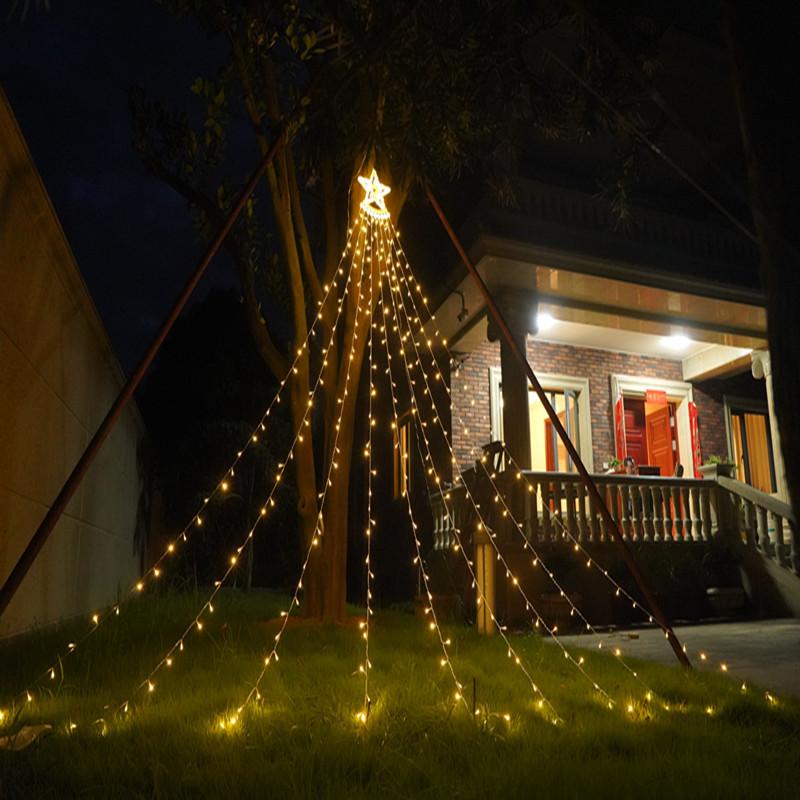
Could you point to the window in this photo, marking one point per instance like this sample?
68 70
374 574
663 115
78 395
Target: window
548 452
750 443
402 458
569 397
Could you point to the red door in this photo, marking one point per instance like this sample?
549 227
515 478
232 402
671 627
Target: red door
635 437
660 452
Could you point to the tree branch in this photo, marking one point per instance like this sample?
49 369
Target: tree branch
269 352
333 243
307 259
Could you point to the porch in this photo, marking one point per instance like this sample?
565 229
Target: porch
539 519
646 351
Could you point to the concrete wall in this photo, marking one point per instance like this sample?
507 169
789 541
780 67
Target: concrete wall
58 376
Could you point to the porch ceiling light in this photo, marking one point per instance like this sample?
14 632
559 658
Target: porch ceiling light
676 342
544 321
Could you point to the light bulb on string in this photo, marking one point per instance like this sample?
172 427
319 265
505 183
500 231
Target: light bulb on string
273 655
394 426
155 569
269 502
554 515
534 686
398 303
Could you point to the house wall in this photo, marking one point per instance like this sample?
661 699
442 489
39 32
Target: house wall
470 391
58 377
712 393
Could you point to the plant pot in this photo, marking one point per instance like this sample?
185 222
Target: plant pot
714 471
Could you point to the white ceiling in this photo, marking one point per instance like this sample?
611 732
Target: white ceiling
603 338
673 344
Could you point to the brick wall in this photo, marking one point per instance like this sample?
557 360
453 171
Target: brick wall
471 395
709 395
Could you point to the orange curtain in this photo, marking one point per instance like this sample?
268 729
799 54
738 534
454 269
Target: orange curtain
755 428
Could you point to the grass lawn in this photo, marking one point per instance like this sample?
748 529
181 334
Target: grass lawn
304 741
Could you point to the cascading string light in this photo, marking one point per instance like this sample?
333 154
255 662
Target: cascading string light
418 561
619 590
427 458
197 623
366 666
156 570
403 264
272 656
373 208
499 497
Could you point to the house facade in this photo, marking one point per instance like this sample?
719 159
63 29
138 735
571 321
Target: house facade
646 348
639 361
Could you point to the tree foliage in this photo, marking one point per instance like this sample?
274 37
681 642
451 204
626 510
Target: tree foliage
422 90
199 403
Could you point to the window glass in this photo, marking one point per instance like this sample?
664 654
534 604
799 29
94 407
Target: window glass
752 450
548 453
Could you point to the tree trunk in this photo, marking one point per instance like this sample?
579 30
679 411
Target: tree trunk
306 482
766 90
332 572
337 507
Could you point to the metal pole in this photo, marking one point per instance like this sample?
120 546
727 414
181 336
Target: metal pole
15 578
591 487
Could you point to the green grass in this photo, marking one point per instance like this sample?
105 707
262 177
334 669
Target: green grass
304 740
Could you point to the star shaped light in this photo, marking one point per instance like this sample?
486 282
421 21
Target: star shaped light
373 202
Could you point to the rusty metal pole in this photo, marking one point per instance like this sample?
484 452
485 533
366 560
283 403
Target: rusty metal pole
591 487
15 578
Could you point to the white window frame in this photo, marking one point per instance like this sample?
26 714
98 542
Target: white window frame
677 392
550 382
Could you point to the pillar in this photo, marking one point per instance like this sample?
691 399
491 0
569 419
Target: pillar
485 569
761 368
519 310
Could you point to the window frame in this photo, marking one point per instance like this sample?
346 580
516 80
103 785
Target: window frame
734 404
550 382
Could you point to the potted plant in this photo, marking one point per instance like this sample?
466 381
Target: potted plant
614 465
717 466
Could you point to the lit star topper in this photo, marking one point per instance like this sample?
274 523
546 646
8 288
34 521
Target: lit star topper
373 202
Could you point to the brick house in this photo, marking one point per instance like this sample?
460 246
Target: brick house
649 338
647 346
639 359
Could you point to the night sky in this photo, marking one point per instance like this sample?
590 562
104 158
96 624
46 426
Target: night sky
67 73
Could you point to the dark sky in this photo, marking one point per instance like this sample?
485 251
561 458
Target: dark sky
67 73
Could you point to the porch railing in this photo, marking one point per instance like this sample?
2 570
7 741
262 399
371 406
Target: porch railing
646 509
764 522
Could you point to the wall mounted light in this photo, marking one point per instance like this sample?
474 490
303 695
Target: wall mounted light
676 342
544 321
